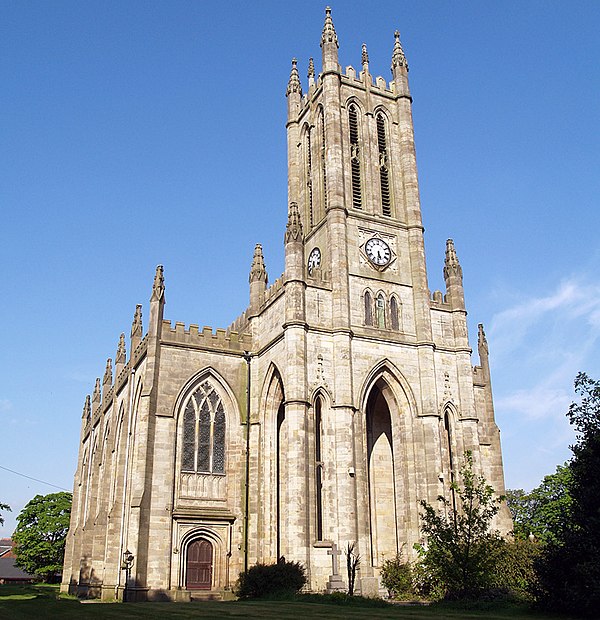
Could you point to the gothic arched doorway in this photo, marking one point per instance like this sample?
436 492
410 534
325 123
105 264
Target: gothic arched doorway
199 565
382 492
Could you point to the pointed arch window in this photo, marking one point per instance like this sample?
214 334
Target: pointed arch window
354 157
380 308
384 177
368 309
308 173
450 456
319 467
321 122
203 445
394 314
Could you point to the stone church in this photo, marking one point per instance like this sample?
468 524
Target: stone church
343 394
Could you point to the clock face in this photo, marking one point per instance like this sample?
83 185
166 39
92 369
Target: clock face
314 260
378 251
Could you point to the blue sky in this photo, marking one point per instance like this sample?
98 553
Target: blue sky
139 133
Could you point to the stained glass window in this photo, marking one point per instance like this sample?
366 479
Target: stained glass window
204 438
189 438
203 445
218 464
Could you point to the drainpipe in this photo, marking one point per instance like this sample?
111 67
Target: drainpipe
247 358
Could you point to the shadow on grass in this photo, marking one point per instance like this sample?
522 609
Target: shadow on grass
41 602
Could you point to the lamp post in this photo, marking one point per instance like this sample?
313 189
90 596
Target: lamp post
126 565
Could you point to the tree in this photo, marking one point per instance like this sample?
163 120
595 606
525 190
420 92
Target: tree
42 528
569 568
546 510
462 551
3 507
352 564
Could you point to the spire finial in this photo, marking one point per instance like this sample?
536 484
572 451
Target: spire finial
398 57
293 230
329 46
121 350
87 408
365 57
108 372
294 85
258 271
329 35
482 344
136 325
451 265
97 391
311 72
158 288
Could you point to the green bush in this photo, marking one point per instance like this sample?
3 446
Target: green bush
397 578
271 580
462 551
515 571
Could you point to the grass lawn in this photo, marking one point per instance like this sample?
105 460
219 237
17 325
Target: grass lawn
43 601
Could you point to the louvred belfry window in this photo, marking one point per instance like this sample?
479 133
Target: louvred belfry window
309 175
354 157
323 168
204 432
384 178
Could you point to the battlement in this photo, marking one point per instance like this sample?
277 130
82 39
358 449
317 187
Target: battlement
274 289
378 84
192 336
240 324
439 300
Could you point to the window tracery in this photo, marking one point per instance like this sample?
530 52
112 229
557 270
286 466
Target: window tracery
203 445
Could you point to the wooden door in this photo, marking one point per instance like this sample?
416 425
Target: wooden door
199 565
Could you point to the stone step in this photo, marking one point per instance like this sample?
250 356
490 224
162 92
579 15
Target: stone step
208 595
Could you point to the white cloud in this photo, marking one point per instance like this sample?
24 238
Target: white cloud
565 322
5 404
537 347
538 403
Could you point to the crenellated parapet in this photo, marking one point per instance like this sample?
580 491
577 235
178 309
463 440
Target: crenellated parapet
439 301
378 86
241 324
274 290
191 336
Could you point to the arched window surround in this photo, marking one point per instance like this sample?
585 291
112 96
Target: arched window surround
355 143
368 314
232 414
449 447
308 167
322 159
204 431
380 310
395 306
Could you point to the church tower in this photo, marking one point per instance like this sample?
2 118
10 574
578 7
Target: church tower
379 373
338 400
